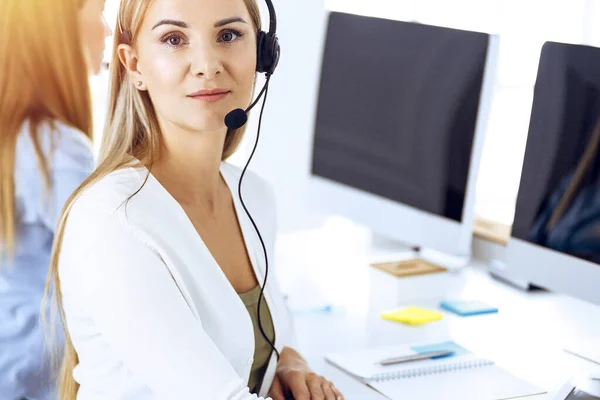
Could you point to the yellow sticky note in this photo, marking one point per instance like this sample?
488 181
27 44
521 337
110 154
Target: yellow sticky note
412 316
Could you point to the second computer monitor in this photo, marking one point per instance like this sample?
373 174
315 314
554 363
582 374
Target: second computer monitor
555 240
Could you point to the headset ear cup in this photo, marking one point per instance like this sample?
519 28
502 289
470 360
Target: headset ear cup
275 54
260 45
267 55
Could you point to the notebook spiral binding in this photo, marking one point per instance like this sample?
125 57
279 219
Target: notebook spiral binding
438 369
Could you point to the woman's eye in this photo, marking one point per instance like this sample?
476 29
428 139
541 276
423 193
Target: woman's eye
174 40
229 36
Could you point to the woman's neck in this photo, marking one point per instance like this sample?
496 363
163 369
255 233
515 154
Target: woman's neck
189 168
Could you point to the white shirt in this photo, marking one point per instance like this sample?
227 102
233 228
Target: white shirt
149 311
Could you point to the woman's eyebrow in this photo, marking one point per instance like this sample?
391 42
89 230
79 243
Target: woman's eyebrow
228 21
182 24
175 22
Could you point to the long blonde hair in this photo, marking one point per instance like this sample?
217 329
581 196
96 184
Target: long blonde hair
131 136
43 77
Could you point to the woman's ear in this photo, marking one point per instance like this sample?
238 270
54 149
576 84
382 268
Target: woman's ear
129 59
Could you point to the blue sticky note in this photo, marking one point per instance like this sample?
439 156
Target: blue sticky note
445 346
466 308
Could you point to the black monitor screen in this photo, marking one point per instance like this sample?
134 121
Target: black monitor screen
397 110
558 205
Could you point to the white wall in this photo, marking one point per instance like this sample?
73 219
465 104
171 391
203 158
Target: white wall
284 152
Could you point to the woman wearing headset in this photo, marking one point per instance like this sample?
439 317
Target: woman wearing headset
47 51
156 267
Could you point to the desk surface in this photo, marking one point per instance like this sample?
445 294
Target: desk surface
526 337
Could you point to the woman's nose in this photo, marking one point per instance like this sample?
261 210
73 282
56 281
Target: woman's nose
207 62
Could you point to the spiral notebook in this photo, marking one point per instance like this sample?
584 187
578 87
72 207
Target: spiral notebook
461 376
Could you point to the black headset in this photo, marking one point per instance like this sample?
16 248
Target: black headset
268 52
267 59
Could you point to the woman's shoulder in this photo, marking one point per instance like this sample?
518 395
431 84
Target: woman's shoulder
64 146
107 195
68 134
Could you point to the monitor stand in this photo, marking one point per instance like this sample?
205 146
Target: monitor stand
386 250
588 349
498 271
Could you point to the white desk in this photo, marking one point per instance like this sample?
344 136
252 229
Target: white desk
525 337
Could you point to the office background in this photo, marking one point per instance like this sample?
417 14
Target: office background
285 148
523 26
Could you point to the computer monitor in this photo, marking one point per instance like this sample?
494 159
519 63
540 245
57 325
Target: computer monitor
555 241
401 115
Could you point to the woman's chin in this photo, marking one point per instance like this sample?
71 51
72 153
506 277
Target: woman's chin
210 120
216 124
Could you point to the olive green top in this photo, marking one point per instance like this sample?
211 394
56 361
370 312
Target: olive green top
262 349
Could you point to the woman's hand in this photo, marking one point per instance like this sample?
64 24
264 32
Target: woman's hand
294 377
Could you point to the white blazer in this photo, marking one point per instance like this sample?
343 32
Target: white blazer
149 311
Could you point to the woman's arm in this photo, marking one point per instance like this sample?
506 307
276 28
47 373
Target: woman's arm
127 291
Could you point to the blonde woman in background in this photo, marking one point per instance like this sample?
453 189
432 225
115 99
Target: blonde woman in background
47 51
156 266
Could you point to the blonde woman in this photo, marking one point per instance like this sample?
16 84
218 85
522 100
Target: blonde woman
156 266
47 51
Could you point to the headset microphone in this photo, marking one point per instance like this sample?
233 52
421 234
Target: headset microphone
238 117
